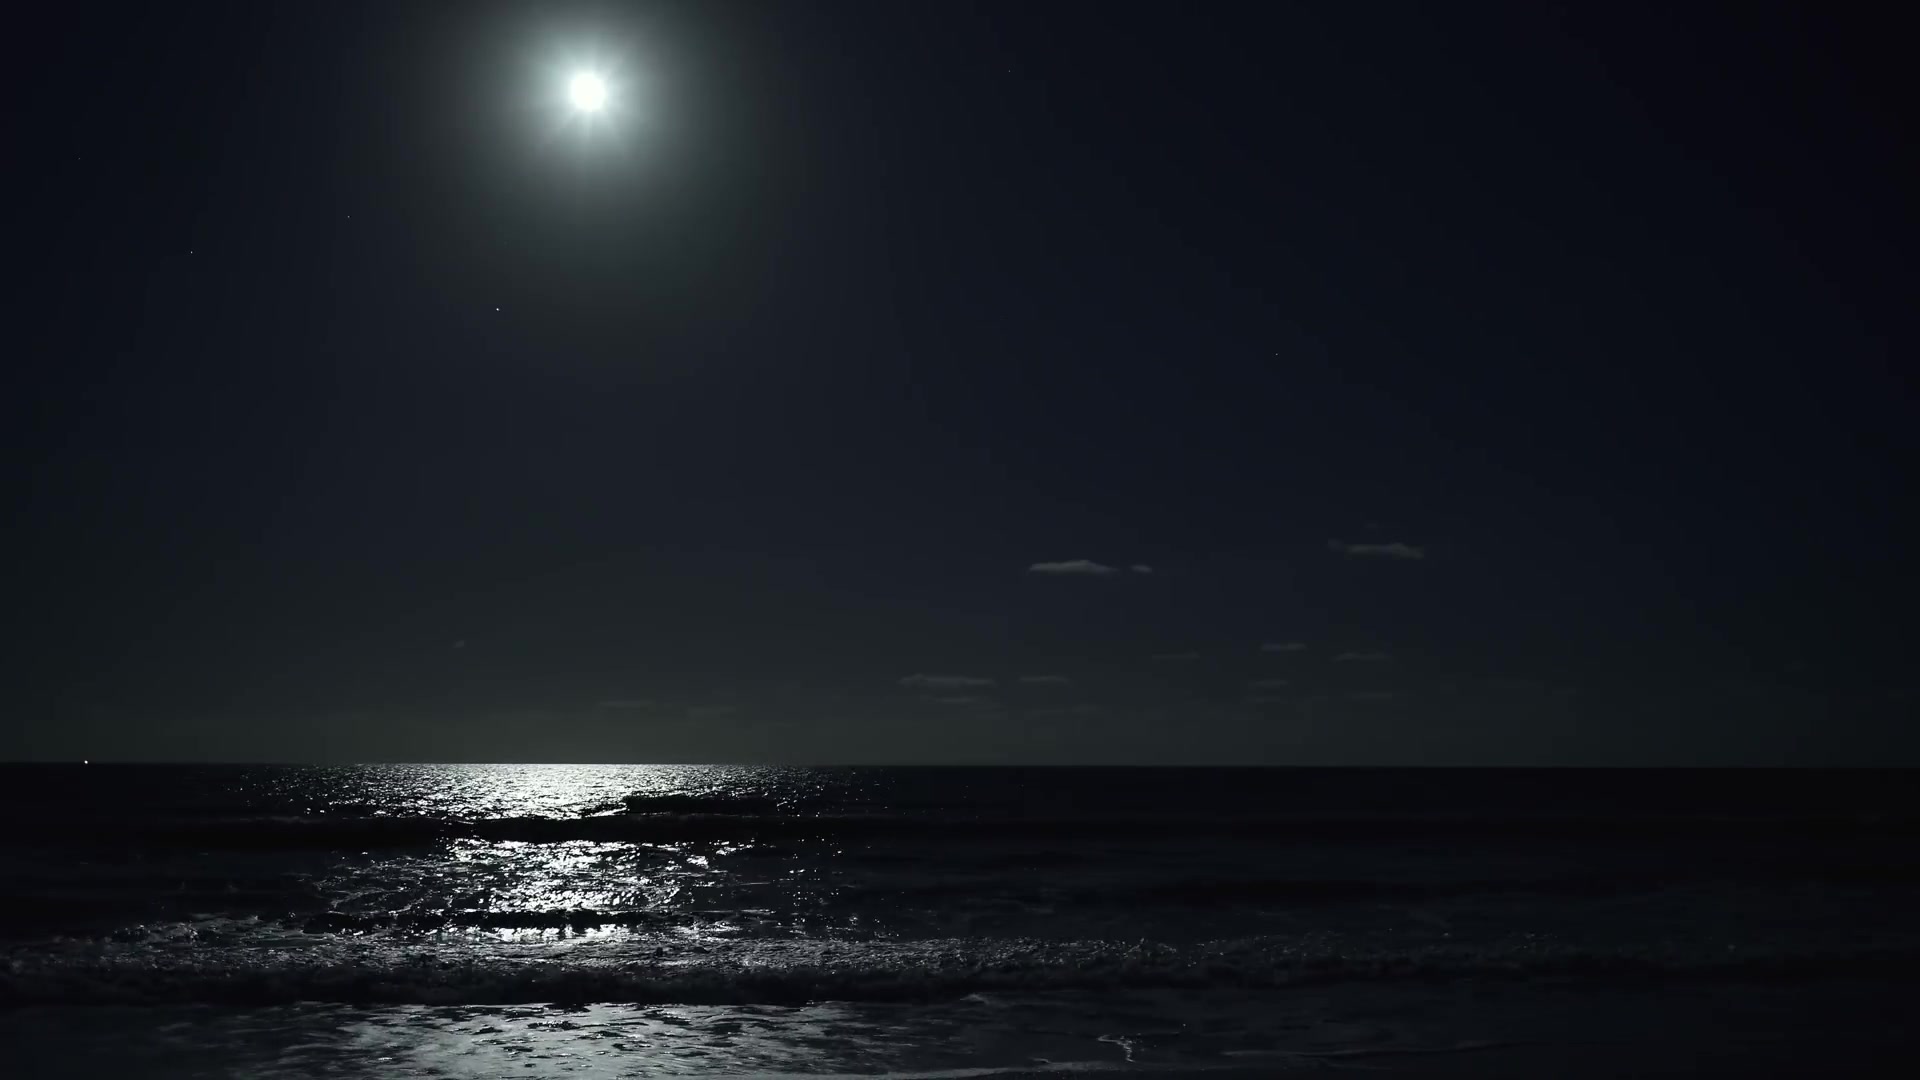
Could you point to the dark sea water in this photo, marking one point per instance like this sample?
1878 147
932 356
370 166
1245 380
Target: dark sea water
627 921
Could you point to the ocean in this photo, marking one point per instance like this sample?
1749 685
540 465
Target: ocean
466 921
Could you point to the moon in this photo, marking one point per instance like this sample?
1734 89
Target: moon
587 91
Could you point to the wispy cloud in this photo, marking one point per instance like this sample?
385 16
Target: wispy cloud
1082 709
944 682
1141 568
1362 657
1269 699
1268 684
1175 657
1394 550
711 712
1283 646
1373 695
1072 566
960 701
626 703
1045 680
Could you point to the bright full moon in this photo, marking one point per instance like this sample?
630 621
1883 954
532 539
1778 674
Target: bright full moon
587 92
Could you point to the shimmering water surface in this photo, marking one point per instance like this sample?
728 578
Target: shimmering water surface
653 920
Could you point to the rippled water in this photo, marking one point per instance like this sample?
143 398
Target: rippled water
630 920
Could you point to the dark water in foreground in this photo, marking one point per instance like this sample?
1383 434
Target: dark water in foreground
616 921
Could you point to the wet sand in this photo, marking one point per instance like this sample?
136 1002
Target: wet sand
1829 1028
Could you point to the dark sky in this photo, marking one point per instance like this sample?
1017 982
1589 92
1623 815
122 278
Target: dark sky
1532 373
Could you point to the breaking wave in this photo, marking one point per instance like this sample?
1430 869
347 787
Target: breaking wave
680 819
792 972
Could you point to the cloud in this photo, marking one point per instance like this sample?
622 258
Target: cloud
711 712
1269 699
1045 680
957 702
1283 646
1363 657
1268 684
1385 551
944 682
626 703
1082 709
1072 566
1373 695
1176 657
1141 568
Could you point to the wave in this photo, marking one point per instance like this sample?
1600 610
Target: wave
795 972
576 919
680 803
1307 892
659 825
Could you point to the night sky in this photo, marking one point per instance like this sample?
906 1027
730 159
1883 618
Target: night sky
1297 384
